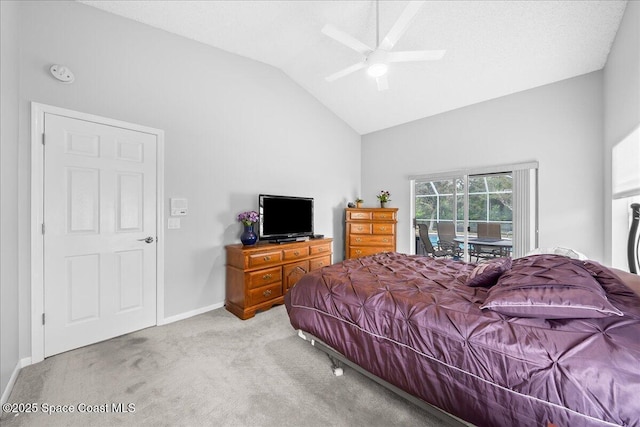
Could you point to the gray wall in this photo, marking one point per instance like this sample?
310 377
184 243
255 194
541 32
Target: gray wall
622 117
559 125
234 128
9 316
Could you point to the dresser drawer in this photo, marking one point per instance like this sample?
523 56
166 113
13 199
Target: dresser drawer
384 228
320 249
265 259
360 228
265 293
264 277
371 240
296 253
317 263
384 215
360 251
358 215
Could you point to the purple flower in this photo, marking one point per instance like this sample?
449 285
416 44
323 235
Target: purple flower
249 217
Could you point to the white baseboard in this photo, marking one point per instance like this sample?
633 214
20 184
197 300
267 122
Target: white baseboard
191 313
14 376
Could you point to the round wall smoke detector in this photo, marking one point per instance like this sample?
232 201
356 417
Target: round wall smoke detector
62 73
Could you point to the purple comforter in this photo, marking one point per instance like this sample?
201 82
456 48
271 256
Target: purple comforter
413 322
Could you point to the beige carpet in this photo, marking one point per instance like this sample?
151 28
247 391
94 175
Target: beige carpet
212 369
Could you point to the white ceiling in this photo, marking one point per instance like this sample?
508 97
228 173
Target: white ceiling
494 48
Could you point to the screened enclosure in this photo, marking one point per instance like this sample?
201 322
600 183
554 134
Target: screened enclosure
490 201
489 209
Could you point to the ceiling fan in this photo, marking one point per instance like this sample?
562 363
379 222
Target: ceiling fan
377 60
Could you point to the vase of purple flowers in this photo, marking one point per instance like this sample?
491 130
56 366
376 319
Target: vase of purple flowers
248 219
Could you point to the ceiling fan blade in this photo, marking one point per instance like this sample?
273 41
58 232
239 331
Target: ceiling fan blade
346 39
416 55
383 82
401 24
346 71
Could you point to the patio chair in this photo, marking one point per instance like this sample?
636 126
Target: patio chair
423 231
446 236
490 231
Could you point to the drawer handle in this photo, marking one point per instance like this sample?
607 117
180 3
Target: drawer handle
383 228
267 276
267 258
320 263
358 251
267 292
358 239
360 228
296 253
320 249
385 240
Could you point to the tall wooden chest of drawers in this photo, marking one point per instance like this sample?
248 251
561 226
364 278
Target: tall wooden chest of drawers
369 231
259 276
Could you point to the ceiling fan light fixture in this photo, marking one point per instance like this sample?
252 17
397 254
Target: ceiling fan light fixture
377 63
377 60
378 70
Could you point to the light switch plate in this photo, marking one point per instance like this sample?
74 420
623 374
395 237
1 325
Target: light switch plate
179 207
173 223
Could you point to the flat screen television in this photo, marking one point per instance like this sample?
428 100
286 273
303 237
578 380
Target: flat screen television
285 218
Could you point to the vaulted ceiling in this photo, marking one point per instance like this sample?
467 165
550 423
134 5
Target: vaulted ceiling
493 48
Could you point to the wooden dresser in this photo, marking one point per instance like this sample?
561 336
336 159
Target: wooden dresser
369 231
259 276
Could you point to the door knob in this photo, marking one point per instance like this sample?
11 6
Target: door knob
146 240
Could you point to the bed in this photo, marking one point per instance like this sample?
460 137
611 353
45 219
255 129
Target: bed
535 341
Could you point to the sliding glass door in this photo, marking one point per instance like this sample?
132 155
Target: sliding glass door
437 206
475 216
491 202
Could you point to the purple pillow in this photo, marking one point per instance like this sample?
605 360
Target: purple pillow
549 287
488 273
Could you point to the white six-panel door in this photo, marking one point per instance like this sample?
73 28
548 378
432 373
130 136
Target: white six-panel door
100 232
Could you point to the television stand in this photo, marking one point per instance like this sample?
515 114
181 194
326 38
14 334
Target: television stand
259 276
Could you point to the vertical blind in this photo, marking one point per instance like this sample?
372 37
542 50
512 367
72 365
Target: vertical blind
524 217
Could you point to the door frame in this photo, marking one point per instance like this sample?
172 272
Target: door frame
38 112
